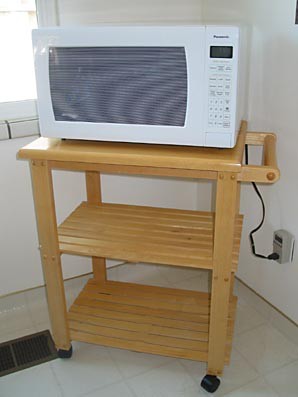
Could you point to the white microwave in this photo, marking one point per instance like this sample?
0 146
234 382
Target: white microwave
176 85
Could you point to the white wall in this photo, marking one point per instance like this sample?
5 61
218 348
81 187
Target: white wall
273 106
92 12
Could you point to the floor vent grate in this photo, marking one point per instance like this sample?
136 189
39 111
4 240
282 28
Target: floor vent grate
26 352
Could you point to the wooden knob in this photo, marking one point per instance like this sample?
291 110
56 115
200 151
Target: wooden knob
270 176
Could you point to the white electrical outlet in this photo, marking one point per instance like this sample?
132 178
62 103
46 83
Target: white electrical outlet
283 245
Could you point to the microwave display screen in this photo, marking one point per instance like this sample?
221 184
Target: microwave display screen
221 52
119 85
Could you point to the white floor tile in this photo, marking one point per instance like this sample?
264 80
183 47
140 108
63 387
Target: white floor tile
266 348
32 382
253 300
116 390
89 368
14 313
200 283
131 363
258 388
170 380
175 274
140 273
17 333
73 287
247 318
238 373
38 305
286 327
285 380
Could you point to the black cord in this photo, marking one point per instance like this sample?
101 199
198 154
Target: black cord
274 255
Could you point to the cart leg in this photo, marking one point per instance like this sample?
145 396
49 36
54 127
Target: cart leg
94 197
226 209
50 253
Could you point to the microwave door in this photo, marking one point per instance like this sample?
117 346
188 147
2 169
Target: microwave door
132 93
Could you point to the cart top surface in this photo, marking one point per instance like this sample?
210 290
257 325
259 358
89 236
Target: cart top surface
134 154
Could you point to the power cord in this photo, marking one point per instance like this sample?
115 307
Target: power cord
274 256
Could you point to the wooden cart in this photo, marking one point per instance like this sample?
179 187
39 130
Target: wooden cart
186 324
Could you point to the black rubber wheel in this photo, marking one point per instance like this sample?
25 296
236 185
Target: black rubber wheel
210 383
64 353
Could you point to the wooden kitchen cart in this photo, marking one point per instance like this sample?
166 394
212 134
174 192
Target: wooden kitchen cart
186 324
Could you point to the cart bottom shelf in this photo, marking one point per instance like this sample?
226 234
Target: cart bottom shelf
147 319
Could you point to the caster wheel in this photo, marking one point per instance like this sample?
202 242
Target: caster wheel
64 353
210 383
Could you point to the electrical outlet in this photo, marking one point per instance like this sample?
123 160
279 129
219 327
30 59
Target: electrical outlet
283 245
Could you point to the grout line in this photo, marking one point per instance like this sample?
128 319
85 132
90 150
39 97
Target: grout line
57 380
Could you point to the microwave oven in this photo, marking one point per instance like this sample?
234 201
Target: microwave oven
175 85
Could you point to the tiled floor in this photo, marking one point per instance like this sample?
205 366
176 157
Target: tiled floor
264 359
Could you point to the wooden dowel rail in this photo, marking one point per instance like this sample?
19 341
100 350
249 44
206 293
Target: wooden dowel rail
268 172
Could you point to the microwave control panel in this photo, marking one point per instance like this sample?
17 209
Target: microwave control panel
221 84
220 94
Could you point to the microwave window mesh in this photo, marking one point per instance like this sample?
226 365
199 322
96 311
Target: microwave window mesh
119 85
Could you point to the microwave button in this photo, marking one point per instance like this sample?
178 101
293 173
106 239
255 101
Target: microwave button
227 93
212 86
227 87
227 109
220 86
220 102
226 124
212 79
220 124
215 109
211 109
228 68
220 68
210 123
220 116
219 93
211 102
216 101
211 116
227 117
228 80
212 93
220 109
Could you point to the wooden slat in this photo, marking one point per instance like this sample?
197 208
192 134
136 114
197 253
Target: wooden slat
103 297
142 310
134 233
142 319
136 335
145 319
136 293
138 346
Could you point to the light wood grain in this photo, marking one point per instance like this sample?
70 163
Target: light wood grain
139 155
93 188
226 206
50 254
135 233
173 329
133 170
268 172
